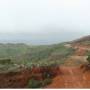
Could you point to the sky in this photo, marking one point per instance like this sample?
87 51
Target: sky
43 21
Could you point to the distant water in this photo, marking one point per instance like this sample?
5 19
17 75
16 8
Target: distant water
39 39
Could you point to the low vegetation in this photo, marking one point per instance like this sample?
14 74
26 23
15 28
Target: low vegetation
26 55
88 59
38 83
40 63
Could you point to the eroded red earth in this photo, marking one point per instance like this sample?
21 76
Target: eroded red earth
21 78
62 76
72 77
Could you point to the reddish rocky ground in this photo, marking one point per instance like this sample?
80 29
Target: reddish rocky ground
72 77
20 79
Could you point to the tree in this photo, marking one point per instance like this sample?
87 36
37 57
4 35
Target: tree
88 59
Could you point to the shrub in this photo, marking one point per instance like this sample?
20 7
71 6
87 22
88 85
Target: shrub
46 82
34 83
88 59
38 84
5 61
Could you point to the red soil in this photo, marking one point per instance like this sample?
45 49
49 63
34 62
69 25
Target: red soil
72 77
80 52
20 79
14 79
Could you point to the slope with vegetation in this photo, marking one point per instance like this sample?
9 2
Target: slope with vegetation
41 62
21 65
28 56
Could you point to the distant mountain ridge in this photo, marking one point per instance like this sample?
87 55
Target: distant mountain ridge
82 39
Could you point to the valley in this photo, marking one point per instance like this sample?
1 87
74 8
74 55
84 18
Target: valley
63 65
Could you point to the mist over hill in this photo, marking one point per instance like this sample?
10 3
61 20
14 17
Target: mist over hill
39 38
82 39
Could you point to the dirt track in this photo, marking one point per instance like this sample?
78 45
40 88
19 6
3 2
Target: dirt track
72 77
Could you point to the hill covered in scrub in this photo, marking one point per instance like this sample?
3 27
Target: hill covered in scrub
12 50
22 54
22 64
83 40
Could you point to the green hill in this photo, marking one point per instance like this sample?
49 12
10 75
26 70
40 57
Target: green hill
22 54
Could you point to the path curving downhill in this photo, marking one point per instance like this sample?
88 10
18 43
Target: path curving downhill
72 77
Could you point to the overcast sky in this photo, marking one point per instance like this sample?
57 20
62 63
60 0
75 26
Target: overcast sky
38 18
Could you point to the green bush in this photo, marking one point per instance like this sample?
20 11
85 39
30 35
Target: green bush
88 59
38 84
5 61
46 82
34 83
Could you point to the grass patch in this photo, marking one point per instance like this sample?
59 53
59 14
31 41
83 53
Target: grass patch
38 84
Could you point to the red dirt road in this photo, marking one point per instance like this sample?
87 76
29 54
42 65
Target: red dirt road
72 77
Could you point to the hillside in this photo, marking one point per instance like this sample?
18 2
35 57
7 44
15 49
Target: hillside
76 69
44 65
12 50
83 40
25 55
